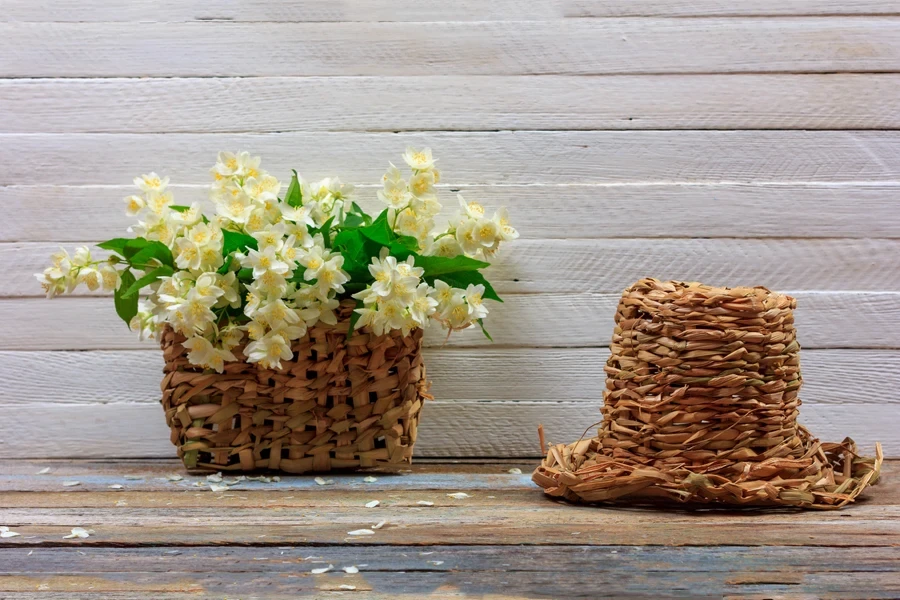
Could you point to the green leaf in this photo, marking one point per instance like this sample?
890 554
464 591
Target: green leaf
133 246
126 308
152 250
356 210
116 245
179 208
325 230
147 279
294 195
352 221
235 241
462 280
483 330
440 265
380 232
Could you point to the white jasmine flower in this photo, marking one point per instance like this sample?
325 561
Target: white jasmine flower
422 184
134 205
487 232
262 189
507 233
264 260
446 246
419 160
382 270
159 201
273 235
467 238
474 294
110 277
90 277
236 208
302 215
394 192
472 210
269 351
151 182
204 354
422 305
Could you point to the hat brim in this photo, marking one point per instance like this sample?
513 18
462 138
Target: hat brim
821 476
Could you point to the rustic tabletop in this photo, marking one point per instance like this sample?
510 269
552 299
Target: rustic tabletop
447 530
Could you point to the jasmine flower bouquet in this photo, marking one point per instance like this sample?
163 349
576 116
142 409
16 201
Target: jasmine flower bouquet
265 265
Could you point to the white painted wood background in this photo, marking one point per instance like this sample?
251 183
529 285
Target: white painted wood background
725 141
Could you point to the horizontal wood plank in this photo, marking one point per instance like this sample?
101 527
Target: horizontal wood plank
415 572
535 521
824 320
447 429
610 265
572 46
417 10
457 374
836 101
797 210
468 157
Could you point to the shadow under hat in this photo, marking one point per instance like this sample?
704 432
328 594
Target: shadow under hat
701 406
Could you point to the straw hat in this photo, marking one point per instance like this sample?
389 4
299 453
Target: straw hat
701 406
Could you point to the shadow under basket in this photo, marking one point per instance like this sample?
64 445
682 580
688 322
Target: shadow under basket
340 403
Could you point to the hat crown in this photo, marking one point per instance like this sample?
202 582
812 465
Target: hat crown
702 373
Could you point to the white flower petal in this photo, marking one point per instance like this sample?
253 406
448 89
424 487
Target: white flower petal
515 471
372 504
351 570
174 477
322 481
345 586
459 495
370 479
425 503
116 486
43 471
78 532
216 478
322 570
379 525
216 487
71 483
8 534
361 532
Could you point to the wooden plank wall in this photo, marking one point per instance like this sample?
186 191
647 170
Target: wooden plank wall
718 140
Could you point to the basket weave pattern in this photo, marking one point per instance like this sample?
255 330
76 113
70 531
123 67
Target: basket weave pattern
701 405
340 403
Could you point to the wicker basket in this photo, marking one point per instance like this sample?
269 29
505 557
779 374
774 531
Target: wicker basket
701 405
339 404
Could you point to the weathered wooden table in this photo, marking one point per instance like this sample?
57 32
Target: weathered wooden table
157 536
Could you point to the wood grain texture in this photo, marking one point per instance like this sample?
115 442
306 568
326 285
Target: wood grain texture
468 157
454 103
798 210
417 572
824 320
610 265
158 538
447 429
457 374
572 46
416 10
